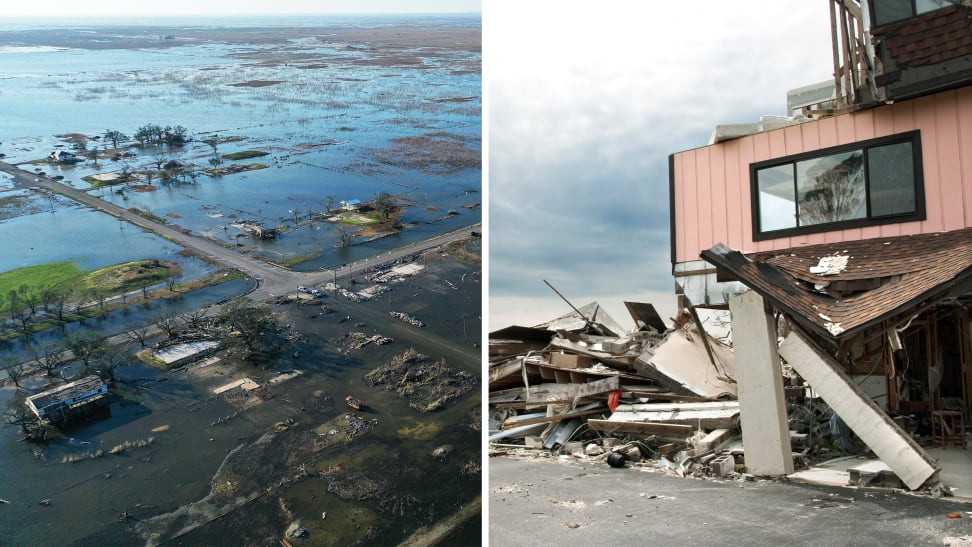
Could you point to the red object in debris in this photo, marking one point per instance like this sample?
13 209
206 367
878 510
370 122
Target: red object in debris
613 398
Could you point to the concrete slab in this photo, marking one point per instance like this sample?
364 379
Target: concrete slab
956 472
178 352
871 424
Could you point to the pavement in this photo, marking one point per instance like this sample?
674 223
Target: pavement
547 501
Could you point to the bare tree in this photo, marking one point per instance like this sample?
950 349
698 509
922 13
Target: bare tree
195 319
48 356
86 345
168 322
383 204
138 333
111 358
16 370
171 282
345 237
115 137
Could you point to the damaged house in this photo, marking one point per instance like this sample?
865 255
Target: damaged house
823 268
845 230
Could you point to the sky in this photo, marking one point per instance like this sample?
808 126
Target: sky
584 107
121 8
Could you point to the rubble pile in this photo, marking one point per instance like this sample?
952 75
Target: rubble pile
579 386
425 383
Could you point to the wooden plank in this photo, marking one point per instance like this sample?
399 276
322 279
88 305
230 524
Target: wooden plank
673 431
682 407
502 371
673 397
565 393
547 419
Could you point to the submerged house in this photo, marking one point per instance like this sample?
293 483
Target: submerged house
62 156
846 229
63 402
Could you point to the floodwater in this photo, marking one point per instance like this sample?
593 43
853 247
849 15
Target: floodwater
341 118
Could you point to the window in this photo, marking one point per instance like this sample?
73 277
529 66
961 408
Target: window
861 184
889 11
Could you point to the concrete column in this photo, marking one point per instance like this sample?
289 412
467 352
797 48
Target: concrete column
762 404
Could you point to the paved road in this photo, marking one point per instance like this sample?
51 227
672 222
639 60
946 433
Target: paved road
545 503
273 280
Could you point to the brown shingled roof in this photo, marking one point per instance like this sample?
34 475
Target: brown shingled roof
883 278
928 39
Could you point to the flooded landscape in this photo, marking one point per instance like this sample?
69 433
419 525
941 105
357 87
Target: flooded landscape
336 147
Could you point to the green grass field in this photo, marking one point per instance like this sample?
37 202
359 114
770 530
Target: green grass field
63 275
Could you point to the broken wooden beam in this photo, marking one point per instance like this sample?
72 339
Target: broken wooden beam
543 394
668 431
547 419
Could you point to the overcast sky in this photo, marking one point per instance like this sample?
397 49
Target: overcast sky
585 106
121 8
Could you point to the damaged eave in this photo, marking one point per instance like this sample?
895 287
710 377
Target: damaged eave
841 289
729 263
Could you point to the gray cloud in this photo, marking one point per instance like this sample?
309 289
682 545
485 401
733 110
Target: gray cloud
582 119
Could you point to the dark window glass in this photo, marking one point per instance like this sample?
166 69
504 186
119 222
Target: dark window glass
891 172
871 182
889 11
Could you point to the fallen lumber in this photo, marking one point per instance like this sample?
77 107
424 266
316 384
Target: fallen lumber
713 415
668 431
511 423
543 394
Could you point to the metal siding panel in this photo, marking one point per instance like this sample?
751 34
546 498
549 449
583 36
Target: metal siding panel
947 157
718 186
964 115
703 199
924 118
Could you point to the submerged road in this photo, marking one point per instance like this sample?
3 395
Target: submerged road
273 280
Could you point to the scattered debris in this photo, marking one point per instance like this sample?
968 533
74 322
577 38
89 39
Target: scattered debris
425 383
406 318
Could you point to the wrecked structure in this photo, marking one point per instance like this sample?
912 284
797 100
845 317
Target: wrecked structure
61 403
853 242
669 388
823 267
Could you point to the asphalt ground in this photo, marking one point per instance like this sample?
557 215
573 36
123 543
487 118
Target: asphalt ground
546 501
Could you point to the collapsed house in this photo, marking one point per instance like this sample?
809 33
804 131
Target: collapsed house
836 242
660 384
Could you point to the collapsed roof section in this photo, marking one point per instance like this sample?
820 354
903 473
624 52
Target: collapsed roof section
839 289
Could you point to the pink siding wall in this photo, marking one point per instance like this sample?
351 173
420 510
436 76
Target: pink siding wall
712 187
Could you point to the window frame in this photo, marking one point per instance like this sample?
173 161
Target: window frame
913 137
872 9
